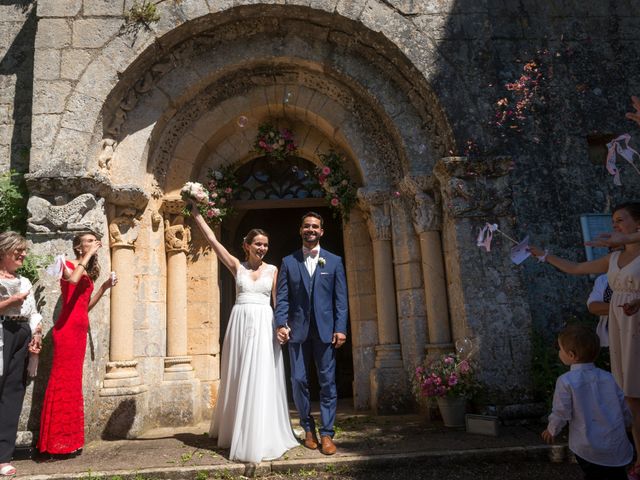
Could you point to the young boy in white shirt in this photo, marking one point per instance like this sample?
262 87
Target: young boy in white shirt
589 399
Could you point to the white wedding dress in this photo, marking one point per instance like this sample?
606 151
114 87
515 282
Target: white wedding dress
251 416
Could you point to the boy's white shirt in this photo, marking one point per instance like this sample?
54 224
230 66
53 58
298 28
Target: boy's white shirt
591 402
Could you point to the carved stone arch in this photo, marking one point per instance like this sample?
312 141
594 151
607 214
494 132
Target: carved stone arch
172 112
413 124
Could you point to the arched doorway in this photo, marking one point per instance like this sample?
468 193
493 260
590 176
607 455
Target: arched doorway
274 196
158 117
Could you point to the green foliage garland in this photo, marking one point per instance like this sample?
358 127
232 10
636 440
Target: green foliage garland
339 190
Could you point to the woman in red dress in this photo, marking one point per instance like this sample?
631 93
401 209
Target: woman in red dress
62 421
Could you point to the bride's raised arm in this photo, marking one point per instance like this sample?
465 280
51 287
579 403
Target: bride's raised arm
222 253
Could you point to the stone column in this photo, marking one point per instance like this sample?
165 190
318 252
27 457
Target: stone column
427 221
177 235
123 397
179 399
122 376
487 297
388 379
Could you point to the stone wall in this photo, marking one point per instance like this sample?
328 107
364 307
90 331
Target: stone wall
589 53
397 84
18 25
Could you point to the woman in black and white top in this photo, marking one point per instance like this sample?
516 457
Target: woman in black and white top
21 334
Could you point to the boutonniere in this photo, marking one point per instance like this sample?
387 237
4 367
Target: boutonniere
321 261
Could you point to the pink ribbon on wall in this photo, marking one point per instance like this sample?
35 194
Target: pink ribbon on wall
486 235
620 146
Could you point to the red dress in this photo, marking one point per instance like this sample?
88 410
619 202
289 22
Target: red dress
62 421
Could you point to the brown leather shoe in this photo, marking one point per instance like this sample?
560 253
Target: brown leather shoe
310 440
328 447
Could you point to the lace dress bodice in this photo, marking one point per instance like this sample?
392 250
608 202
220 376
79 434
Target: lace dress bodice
254 291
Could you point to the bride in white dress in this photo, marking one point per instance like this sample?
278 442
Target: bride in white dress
251 416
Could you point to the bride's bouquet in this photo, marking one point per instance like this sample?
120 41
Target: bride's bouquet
194 192
205 201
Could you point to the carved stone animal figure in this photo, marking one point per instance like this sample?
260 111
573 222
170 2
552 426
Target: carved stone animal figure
78 214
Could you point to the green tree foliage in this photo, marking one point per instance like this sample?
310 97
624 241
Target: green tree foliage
13 202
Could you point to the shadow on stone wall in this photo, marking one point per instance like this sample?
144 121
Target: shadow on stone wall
588 56
121 420
18 61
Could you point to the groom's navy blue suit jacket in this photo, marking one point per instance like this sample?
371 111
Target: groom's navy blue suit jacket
329 289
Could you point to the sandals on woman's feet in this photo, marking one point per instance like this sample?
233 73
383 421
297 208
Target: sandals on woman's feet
7 470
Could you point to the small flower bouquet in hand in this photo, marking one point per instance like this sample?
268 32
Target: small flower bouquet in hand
194 192
446 376
214 200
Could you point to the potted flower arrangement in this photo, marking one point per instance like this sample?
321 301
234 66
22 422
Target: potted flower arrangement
214 200
339 190
451 381
274 143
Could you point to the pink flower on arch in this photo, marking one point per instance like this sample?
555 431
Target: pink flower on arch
335 202
326 171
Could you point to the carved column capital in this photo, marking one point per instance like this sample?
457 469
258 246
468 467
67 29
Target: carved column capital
425 210
173 206
478 188
123 228
177 235
375 205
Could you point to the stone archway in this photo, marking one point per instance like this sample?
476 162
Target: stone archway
334 98
173 113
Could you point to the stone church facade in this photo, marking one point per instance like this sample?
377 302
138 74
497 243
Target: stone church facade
110 117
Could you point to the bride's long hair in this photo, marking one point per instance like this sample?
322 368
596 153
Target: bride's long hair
248 239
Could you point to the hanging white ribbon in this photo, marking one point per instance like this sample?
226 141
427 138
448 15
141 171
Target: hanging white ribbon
620 146
57 267
486 235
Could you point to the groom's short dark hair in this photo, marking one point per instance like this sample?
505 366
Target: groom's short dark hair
314 215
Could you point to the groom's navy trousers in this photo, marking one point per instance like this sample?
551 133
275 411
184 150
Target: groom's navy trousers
324 357
314 308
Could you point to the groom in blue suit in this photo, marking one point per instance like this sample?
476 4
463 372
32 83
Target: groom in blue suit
311 314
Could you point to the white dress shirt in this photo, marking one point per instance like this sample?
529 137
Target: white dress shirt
311 261
589 399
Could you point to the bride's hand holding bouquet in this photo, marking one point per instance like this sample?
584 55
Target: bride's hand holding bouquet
195 195
212 204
